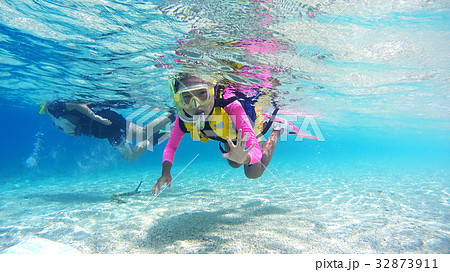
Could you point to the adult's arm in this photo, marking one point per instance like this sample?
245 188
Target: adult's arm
84 109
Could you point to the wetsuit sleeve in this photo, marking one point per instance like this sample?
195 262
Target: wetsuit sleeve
240 119
174 140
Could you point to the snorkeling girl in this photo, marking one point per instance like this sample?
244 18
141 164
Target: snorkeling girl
210 111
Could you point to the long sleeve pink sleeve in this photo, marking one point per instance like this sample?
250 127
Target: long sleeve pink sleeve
174 140
240 119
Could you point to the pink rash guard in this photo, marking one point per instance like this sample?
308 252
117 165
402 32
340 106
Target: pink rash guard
240 119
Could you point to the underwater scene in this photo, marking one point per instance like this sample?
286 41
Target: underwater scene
358 91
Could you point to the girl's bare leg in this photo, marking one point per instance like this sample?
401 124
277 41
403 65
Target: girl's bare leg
268 148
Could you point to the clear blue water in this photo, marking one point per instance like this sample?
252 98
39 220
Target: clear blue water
373 73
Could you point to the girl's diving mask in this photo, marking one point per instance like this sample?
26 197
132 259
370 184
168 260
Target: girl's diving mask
200 94
194 96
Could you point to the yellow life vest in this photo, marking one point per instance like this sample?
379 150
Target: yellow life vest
219 125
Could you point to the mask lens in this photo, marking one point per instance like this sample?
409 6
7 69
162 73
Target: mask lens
186 97
202 95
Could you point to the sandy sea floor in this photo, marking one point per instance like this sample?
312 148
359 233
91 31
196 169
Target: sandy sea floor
301 209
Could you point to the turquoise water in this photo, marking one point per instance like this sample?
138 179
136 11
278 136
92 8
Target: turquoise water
374 75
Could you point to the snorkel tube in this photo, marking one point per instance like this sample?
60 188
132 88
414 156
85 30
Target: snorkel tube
43 107
200 122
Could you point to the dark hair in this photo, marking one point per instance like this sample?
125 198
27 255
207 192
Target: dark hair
187 79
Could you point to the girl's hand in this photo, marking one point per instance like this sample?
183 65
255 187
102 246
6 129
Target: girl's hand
166 177
161 181
238 153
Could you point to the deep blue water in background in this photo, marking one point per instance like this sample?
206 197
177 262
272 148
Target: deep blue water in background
28 134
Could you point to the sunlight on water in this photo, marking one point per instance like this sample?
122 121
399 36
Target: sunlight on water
338 56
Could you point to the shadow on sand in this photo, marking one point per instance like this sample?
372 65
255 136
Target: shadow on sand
201 228
70 198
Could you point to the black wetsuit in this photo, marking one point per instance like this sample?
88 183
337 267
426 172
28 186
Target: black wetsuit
115 133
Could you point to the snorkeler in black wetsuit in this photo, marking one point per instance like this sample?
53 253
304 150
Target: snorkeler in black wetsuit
77 119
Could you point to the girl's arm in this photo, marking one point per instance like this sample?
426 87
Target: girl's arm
174 140
169 153
242 122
